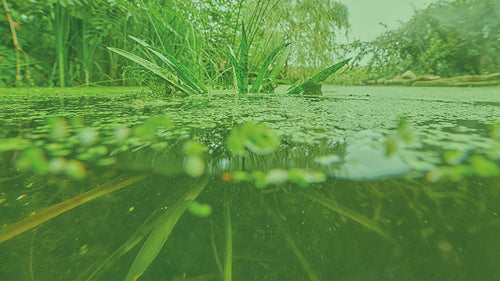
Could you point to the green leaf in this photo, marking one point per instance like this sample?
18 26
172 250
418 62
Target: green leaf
156 69
184 74
255 137
159 235
200 210
238 72
244 61
318 78
240 65
280 62
263 70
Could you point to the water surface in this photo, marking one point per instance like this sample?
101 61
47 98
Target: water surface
403 183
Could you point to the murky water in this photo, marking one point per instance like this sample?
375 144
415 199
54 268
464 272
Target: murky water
362 183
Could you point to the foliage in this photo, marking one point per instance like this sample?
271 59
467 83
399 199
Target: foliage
315 81
7 67
240 64
257 138
174 72
264 74
240 67
312 25
67 40
446 39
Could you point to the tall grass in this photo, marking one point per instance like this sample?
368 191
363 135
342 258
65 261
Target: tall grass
175 74
61 29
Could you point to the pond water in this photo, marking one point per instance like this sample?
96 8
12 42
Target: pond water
387 183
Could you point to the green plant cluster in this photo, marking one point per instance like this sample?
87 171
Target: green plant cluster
448 38
66 40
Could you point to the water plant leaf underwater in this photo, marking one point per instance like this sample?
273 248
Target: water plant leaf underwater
228 251
317 78
160 233
50 212
289 240
141 233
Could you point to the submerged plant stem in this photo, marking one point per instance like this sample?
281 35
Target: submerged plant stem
228 255
291 243
160 233
57 209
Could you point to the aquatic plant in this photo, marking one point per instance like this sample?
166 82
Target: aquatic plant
175 74
160 233
312 86
240 66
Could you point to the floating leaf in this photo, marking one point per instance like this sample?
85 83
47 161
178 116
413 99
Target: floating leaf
193 148
13 144
484 167
194 166
257 138
200 210
149 128
75 169
277 176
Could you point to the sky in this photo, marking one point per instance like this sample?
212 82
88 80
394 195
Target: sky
365 16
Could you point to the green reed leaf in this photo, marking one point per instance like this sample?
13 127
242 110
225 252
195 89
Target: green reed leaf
244 49
263 70
318 78
184 74
156 69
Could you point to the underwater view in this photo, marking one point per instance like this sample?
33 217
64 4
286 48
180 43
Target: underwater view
360 183
249 140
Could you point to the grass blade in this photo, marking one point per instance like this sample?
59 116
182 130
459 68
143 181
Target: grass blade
143 231
156 69
353 215
296 250
52 211
228 254
240 66
280 62
318 78
263 70
244 60
159 235
184 74
238 71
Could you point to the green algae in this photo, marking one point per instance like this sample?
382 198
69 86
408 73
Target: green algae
456 120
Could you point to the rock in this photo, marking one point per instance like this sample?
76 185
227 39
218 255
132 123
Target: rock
493 76
434 83
397 81
409 75
428 77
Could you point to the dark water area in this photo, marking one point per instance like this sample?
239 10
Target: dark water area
362 183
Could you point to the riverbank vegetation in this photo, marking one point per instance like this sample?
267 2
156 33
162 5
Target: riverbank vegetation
447 39
65 43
